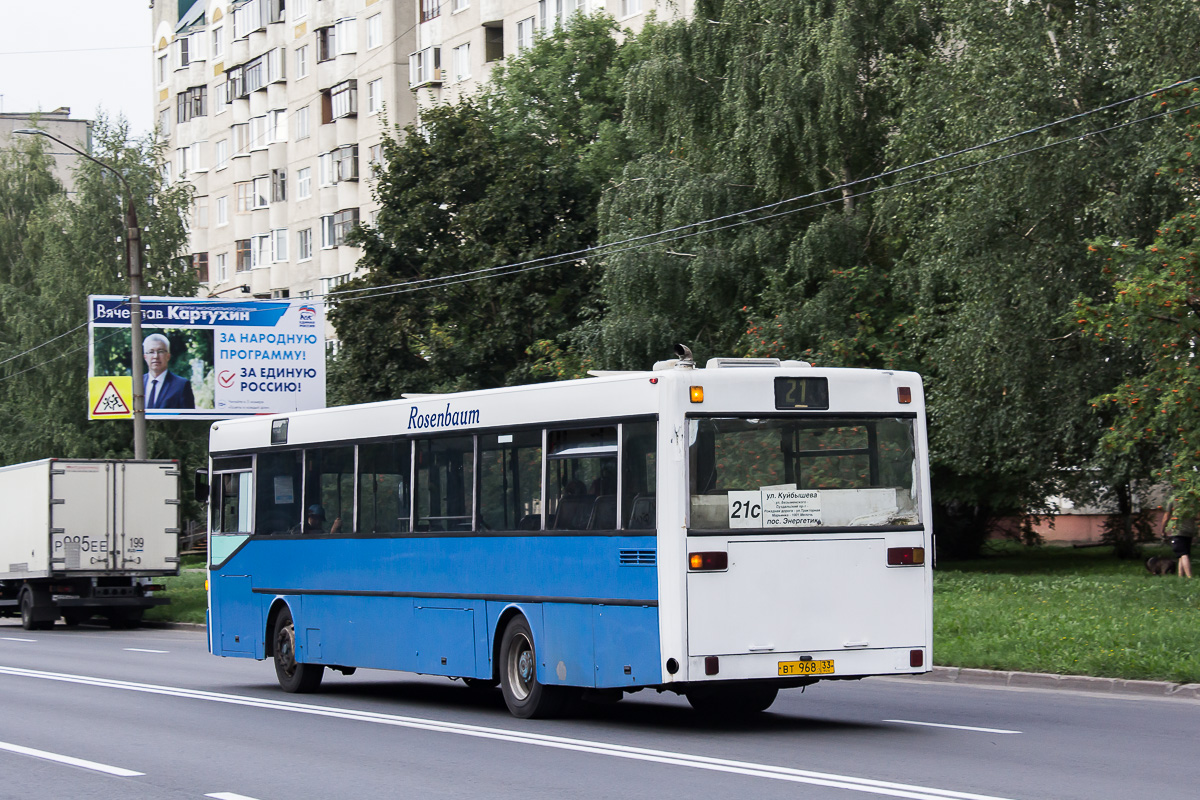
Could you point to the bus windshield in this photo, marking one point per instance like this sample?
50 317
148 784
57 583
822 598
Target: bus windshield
822 472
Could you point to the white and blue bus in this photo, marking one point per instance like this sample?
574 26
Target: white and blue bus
721 532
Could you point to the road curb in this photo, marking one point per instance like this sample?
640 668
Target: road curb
1075 683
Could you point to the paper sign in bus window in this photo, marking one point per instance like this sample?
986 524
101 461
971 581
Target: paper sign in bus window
791 508
283 490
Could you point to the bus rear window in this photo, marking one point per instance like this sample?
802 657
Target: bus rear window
802 473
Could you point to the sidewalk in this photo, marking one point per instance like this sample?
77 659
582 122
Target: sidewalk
1075 683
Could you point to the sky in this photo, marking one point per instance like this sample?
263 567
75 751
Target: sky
85 54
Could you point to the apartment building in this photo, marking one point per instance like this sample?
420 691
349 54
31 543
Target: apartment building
274 110
57 123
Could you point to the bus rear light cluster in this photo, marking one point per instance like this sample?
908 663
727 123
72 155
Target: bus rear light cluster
904 395
712 665
916 658
708 562
905 556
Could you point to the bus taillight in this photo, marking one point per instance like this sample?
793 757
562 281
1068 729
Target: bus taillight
905 556
708 561
916 658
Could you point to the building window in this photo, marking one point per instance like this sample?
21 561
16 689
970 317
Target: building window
326 43
343 99
299 8
301 123
181 161
180 46
260 250
374 31
332 282
241 139
347 36
222 267
335 227
244 259
304 244
258 132
221 155
277 126
200 212
376 155
525 34
220 98
303 183
275 12
375 96
262 191
245 196
302 61
493 43
164 122
249 17
218 41
163 67
462 61
459 5
279 245
425 67
278 185
200 264
430 9
190 103
339 165
276 65
630 7
223 210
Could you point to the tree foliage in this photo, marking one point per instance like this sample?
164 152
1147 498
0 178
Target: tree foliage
58 249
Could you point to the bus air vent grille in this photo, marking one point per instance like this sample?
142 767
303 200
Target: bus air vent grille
638 558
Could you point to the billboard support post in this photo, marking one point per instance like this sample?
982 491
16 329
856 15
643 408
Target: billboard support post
133 268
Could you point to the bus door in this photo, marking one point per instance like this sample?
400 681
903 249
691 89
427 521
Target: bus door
804 517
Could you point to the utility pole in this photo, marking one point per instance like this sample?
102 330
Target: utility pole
133 268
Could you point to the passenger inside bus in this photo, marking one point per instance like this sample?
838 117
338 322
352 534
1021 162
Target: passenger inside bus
314 521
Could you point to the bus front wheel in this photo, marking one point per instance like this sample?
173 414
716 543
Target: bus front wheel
525 696
293 676
731 701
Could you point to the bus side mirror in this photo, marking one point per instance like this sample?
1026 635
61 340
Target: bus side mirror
201 488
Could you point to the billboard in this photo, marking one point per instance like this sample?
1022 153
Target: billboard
207 359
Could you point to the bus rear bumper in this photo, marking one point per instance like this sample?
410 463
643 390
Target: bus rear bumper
821 665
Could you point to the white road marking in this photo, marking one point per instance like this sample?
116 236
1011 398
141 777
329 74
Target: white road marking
228 796
75 762
955 727
15 639
747 768
143 650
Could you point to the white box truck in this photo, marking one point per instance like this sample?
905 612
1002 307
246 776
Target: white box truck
83 537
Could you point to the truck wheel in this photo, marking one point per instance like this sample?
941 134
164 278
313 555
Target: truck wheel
525 696
293 676
29 612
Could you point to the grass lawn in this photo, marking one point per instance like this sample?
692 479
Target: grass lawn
1067 611
189 601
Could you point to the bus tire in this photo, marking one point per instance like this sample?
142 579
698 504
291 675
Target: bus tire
294 677
731 701
30 612
525 696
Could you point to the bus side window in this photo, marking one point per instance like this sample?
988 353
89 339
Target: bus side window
581 473
510 481
277 497
329 485
444 485
384 487
639 465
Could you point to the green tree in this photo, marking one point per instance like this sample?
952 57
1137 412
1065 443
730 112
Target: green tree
507 177
1151 308
738 108
992 257
59 250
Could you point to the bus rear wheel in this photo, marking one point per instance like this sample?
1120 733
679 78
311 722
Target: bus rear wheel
731 701
525 696
293 676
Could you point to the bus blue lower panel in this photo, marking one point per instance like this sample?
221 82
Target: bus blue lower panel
433 605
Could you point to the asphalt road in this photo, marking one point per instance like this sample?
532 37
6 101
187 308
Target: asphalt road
94 713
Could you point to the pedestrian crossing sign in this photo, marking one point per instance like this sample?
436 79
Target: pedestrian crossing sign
110 397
